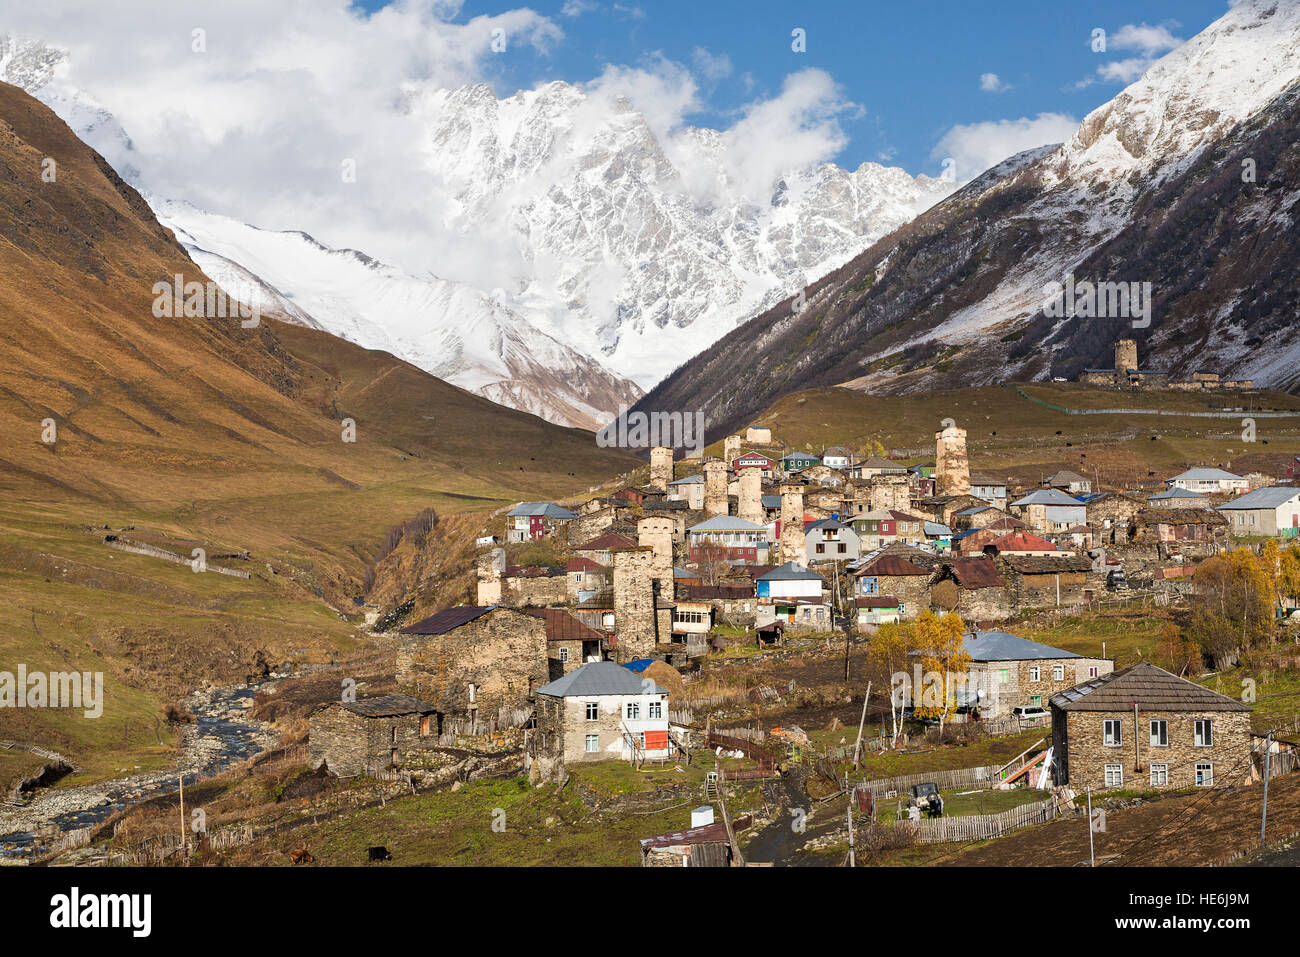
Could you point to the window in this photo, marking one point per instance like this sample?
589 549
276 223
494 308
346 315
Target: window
902 608
1114 775
656 709
1203 735
593 743
1159 774
1036 700
1160 734
1204 775
1033 672
1004 674
1092 671
820 548
1058 672
633 711
1112 734
564 655
592 711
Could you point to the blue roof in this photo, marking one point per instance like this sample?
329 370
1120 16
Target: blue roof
640 665
1175 493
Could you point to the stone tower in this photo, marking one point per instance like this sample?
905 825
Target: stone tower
750 497
715 487
731 449
491 566
661 467
1126 355
889 492
657 534
951 466
634 603
792 541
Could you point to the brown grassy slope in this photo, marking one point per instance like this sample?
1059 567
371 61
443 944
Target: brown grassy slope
199 433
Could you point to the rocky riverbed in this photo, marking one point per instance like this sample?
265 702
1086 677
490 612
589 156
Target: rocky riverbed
220 735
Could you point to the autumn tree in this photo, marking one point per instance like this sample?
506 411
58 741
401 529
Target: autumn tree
889 659
1232 610
942 643
1178 653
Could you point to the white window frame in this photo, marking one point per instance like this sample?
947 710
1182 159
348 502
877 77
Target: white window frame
1114 775
592 744
592 710
1033 672
1159 733
1159 774
1204 774
564 656
1058 672
1112 733
1203 733
633 711
656 710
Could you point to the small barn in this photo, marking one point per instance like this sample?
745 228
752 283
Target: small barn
361 737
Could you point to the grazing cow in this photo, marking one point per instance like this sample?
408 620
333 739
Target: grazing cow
301 856
379 854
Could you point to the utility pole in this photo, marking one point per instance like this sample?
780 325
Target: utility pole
1263 820
184 857
851 861
861 721
1092 857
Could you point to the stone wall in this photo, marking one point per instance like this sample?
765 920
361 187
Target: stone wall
540 590
730 449
715 488
657 534
503 654
351 744
889 492
1020 686
1078 737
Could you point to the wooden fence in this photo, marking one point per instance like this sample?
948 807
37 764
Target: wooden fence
979 827
981 777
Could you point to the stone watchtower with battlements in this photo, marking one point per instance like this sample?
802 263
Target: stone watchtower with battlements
1126 356
792 548
951 465
715 488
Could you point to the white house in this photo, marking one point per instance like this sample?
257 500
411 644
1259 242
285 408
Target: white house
689 490
837 457
827 540
1208 480
1271 512
1050 510
790 580
602 711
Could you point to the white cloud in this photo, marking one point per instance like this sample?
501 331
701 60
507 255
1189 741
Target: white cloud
576 8
975 147
710 65
992 83
1149 42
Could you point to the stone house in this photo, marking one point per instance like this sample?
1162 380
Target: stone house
1071 483
898 578
1110 514
875 465
827 540
1142 727
822 475
532 520
535 585
1022 543
989 489
1050 510
569 642
472 657
1197 532
362 737
1177 498
599 550
1011 671
600 712
972 587
732 604
689 490
977 516
1045 581
585 578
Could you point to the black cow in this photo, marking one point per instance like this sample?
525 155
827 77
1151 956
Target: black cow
379 854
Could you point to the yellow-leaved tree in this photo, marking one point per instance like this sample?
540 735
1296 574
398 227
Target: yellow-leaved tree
942 643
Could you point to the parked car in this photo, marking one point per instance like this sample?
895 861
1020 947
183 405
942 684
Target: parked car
1029 712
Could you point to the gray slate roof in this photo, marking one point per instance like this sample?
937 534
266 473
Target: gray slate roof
597 678
1271 497
724 523
1047 496
1174 493
1149 687
790 572
541 509
1206 475
1004 646
388 706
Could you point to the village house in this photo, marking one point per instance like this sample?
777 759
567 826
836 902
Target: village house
946 508
532 520
600 712
827 540
1110 514
876 610
732 604
569 642
973 588
1142 727
873 466
798 461
1071 483
801 614
1209 481
937 535
1045 581
1021 543
790 580
758 460
837 457
977 516
898 578
597 611
1010 671
1178 498
472 657
1270 512
370 735
585 578
535 585
691 617
599 550
820 474
1050 510
689 490
989 489
740 540
1194 532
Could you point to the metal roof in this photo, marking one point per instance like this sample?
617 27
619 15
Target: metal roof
1206 475
726 523
1146 686
1004 646
1174 493
1047 496
790 571
597 678
540 509
689 480
1271 497
448 619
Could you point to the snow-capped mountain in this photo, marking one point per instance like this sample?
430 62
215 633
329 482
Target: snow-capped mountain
599 253
1188 180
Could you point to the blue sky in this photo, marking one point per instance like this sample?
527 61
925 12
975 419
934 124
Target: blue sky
912 70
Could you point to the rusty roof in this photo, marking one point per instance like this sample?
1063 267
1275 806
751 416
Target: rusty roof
1149 687
891 565
561 626
585 565
605 542
976 573
715 833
